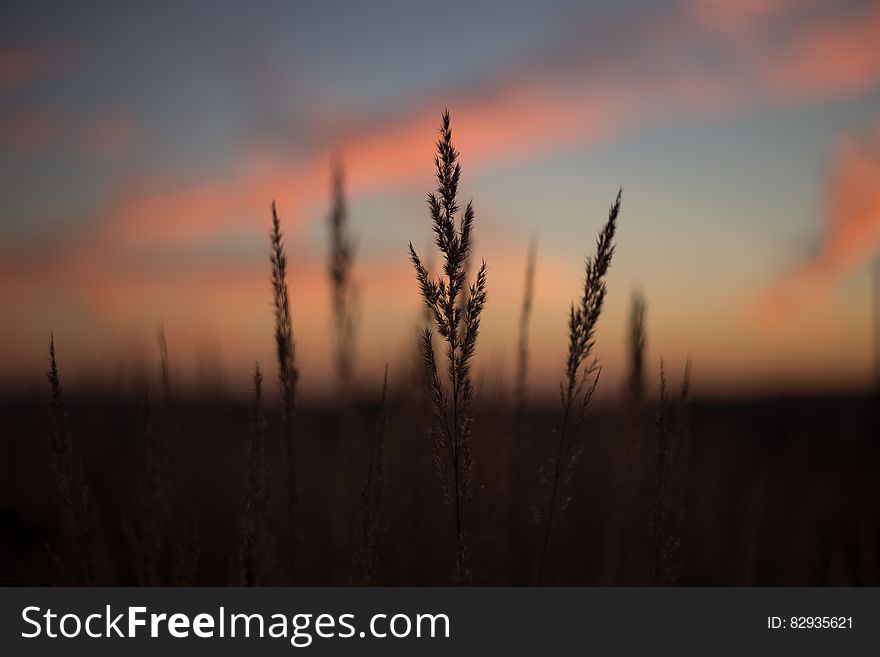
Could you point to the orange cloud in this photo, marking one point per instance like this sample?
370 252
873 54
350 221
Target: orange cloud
852 230
513 124
830 54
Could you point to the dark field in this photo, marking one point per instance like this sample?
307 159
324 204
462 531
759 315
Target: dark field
774 492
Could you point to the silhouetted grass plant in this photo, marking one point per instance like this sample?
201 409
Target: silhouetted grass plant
581 374
288 374
668 505
254 555
367 570
145 527
343 291
458 325
522 352
164 370
636 350
71 489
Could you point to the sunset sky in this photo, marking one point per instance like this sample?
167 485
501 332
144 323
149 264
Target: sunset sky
141 147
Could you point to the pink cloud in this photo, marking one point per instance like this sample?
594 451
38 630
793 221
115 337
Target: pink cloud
828 55
390 155
852 230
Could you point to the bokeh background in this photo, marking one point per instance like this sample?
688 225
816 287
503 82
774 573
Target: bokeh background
141 146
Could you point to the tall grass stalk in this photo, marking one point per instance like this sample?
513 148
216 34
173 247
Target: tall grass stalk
458 326
145 527
663 463
183 542
287 380
671 442
581 373
343 291
70 486
370 529
164 375
636 348
254 540
522 362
